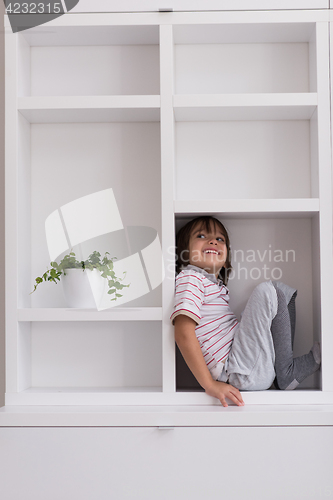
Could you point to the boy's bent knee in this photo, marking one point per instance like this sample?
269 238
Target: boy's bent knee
265 289
265 293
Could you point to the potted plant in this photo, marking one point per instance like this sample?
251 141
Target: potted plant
78 277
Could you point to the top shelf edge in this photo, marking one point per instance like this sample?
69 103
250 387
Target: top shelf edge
208 16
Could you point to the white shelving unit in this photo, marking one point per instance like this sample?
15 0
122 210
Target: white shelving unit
223 113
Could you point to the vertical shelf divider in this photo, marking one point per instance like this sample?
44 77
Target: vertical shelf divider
325 196
167 194
11 182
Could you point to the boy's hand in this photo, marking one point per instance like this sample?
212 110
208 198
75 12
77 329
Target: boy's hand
221 390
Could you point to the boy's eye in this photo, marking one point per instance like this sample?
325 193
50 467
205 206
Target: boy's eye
219 238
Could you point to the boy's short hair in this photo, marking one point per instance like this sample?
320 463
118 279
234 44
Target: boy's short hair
183 241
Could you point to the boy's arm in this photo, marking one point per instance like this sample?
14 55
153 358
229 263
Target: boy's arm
189 347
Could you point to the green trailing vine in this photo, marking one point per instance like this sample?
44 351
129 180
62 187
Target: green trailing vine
94 261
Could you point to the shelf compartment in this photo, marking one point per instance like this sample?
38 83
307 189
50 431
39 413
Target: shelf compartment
243 58
90 109
116 314
233 107
246 159
117 356
255 208
276 248
120 60
85 158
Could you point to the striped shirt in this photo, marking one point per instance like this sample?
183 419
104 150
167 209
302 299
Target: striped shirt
205 299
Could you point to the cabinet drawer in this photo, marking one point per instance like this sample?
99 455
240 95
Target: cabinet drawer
164 463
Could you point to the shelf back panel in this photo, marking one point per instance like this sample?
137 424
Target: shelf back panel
243 160
96 355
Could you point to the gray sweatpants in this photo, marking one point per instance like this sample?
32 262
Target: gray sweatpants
250 365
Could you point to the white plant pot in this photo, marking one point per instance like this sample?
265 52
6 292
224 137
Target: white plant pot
83 289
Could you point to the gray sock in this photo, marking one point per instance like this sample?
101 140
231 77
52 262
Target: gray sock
290 371
316 351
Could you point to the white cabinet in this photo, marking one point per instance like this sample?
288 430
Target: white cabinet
180 114
149 463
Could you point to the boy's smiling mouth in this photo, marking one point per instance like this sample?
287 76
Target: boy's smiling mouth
210 250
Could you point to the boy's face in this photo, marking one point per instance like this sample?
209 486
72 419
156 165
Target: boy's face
208 249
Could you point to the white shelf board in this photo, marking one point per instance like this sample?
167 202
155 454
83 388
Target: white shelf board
259 208
154 396
90 109
114 314
233 107
165 417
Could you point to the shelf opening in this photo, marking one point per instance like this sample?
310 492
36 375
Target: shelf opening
115 356
91 61
278 249
244 58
